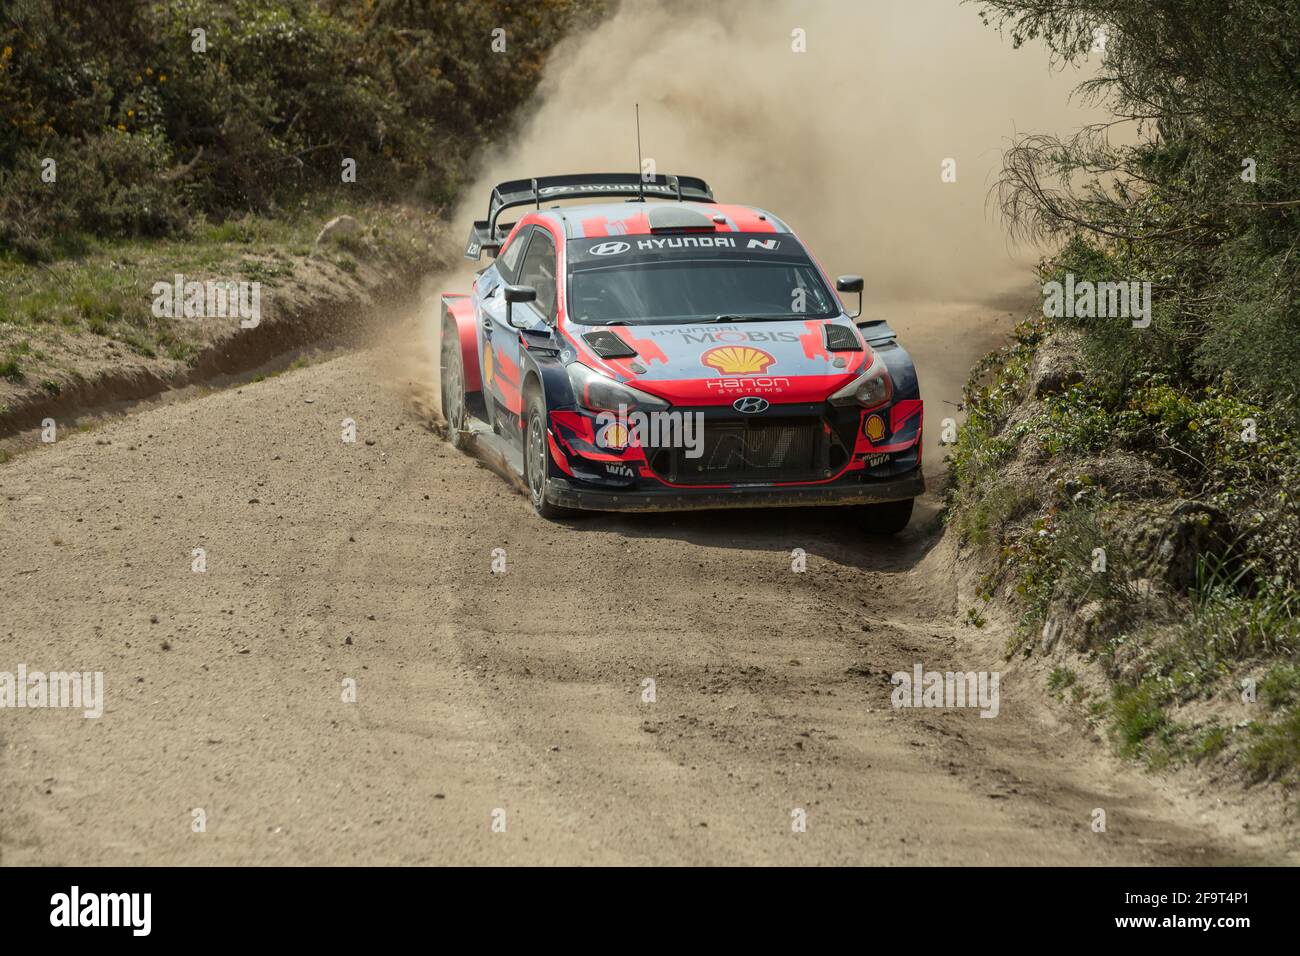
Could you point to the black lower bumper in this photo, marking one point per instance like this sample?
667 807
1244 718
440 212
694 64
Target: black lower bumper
566 494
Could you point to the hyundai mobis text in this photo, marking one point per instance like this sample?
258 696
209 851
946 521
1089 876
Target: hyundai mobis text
668 352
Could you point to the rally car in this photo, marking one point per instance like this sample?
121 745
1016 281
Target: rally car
668 352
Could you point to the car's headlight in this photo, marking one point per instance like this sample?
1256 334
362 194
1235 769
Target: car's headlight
869 390
598 393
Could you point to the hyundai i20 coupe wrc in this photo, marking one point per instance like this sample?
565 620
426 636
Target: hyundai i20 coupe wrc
668 352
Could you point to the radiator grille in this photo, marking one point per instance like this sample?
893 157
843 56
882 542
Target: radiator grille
767 451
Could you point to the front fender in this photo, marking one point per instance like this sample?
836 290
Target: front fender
543 363
901 370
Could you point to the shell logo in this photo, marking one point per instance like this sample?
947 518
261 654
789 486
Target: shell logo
737 360
875 428
614 436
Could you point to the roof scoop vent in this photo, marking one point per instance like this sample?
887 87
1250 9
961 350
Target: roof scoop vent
666 217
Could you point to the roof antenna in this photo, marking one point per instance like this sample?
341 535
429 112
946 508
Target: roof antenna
640 179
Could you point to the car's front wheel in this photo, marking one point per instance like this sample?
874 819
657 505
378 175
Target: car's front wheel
537 458
889 517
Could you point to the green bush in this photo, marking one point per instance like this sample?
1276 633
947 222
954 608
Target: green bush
1202 201
149 133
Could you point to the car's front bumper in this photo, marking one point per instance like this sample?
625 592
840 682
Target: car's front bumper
569 494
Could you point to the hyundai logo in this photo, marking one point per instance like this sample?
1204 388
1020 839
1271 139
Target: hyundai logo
609 248
750 405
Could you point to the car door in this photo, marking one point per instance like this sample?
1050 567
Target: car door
494 333
538 269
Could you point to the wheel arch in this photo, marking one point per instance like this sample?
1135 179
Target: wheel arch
532 382
544 371
458 313
902 371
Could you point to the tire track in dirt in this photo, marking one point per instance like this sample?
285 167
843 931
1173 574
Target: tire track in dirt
223 688
779 721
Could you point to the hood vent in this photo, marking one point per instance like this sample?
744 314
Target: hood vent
840 338
608 345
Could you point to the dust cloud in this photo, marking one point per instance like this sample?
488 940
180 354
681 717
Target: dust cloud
845 142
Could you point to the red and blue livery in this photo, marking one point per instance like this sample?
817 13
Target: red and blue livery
669 352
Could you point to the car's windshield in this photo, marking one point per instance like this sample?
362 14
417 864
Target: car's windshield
674 280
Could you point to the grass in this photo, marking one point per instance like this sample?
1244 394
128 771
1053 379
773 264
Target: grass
995 389
1274 753
104 290
1280 686
1161 643
1060 680
1208 742
1140 727
980 523
1240 625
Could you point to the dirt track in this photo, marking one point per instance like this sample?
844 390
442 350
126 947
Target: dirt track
476 691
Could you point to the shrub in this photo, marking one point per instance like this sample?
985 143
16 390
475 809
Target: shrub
148 133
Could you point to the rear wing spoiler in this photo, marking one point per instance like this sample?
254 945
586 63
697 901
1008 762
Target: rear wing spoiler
483 235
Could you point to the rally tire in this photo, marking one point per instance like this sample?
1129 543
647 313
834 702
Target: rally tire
887 518
537 455
453 387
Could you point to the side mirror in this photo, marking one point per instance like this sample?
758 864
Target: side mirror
518 293
491 248
851 284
